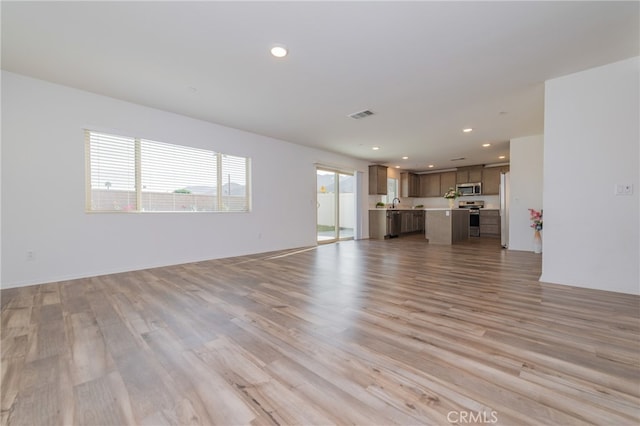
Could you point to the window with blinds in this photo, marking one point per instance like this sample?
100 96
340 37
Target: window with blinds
138 175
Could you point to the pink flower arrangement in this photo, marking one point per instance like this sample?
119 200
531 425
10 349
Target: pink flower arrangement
536 219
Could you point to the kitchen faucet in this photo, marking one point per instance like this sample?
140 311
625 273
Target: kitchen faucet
393 203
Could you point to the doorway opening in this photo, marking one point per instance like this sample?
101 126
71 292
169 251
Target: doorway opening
335 198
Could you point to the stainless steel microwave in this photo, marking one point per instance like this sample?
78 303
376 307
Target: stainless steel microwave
469 188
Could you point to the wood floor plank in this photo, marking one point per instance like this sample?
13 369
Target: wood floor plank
170 355
360 332
96 404
89 354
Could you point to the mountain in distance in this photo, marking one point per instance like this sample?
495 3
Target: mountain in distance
236 189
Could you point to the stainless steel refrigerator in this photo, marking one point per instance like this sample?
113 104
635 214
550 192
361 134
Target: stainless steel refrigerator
504 209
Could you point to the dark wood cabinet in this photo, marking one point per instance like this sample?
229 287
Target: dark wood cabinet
447 180
377 180
490 223
491 179
430 185
409 185
437 184
412 221
469 174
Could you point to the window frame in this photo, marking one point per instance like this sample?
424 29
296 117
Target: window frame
388 198
219 202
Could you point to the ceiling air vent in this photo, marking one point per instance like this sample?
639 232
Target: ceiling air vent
361 114
458 159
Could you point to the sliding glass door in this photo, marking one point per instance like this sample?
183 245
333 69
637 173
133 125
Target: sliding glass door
336 205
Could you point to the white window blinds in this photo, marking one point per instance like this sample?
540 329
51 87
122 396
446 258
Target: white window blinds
233 177
129 174
111 172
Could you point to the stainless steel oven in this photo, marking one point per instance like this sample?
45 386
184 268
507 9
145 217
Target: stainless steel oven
474 215
474 222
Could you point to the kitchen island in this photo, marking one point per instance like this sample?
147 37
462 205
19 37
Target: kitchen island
446 226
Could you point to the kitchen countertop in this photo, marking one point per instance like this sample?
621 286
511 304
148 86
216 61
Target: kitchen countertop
443 208
396 209
412 209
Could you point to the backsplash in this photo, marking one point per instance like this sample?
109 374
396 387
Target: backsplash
490 201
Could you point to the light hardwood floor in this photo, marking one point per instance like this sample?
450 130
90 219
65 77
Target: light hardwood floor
364 332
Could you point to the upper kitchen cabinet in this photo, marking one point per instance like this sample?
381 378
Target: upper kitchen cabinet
491 180
437 184
469 174
447 180
430 185
377 180
409 184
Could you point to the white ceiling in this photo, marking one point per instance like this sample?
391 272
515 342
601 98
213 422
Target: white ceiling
426 69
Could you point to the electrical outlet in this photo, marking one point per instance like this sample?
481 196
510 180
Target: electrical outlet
31 256
623 189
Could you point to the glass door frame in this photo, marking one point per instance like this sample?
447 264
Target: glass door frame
336 210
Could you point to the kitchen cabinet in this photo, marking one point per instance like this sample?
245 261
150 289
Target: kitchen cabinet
412 221
469 174
409 184
475 174
490 223
447 180
491 180
377 224
430 185
407 222
418 221
437 184
377 180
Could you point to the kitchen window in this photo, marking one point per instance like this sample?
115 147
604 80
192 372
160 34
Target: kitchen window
392 191
126 174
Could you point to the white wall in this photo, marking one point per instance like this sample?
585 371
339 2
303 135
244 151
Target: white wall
43 195
525 180
591 144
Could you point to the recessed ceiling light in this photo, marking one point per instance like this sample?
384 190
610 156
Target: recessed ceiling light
502 157
405 158
375 148
397 167
279 51
431 166
467 130
486 144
